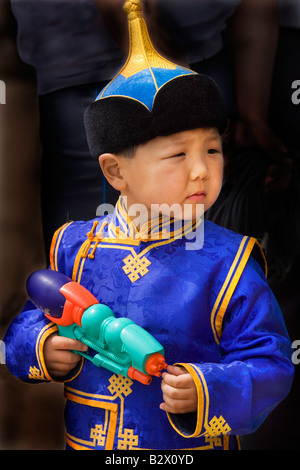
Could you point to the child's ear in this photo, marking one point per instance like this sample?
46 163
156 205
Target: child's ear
110 166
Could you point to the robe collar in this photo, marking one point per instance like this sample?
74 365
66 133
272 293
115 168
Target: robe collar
159 227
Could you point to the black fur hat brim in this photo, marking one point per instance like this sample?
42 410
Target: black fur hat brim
184 103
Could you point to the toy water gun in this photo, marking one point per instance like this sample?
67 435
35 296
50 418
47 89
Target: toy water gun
121 346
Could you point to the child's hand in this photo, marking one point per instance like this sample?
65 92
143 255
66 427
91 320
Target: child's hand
59 358
179 391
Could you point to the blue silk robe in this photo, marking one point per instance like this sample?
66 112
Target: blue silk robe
210 308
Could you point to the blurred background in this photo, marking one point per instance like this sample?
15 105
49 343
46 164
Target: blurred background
55 57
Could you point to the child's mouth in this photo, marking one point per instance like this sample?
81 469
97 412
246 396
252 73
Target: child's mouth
199 196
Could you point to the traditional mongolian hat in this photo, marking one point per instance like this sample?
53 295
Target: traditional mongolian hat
150 97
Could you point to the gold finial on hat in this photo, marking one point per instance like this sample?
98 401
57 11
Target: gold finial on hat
142 54
133 9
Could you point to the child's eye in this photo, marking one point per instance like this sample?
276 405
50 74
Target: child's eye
179 155
213 151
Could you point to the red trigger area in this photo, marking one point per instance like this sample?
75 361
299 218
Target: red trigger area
78 299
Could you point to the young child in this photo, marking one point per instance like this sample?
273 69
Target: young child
157 129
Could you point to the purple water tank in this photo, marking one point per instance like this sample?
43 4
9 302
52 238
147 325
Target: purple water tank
43 288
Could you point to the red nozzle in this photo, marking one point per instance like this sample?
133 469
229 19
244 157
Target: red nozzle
155 364
135 374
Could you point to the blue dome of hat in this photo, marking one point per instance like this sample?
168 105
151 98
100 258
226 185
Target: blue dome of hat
145 71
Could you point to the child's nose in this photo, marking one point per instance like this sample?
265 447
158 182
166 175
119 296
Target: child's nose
199 170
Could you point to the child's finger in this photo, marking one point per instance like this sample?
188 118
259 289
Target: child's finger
174 393
177 406
63 343
176 370
65 357
183 380
62 362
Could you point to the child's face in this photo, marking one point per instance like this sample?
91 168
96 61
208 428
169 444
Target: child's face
184 168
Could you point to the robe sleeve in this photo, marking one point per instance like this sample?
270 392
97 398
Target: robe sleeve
255 371
24 344
25 338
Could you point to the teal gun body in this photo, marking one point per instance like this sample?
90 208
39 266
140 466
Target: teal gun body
117 344
121 346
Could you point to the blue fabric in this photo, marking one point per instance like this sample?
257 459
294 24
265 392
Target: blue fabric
242 369
142 86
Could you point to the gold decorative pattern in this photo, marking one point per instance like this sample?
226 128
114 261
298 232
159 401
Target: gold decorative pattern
127 440
217 427
98 435
227 290
120 386
104 434
135 267
36 374
112 429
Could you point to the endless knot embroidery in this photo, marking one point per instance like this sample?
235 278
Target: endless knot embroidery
120 385
35 374
98 435
214 441
135 267
128 440
217 427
